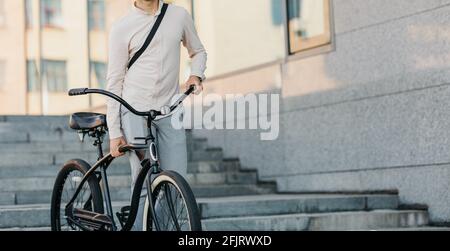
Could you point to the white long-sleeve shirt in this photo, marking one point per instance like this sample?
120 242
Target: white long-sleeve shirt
154 78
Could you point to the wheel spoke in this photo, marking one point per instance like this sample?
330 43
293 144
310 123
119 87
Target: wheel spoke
68 191
170 208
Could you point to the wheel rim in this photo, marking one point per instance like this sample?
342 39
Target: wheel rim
71 183
171 211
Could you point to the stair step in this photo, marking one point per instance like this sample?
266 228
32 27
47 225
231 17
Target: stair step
225 207
49 157
32 216
55 135
211 191
11 137
44 196
7 198
40 171
416 229
21 192
29 120
290 204
124 193
378 219
223 165
38 216
47 182
199 144
412 229
45 147
56 146
30 229
37 159
36 127
206 155
213 166
222 178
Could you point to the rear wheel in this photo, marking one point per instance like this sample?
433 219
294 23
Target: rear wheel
67 181
175 205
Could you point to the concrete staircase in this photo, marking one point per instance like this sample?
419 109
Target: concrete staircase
32 150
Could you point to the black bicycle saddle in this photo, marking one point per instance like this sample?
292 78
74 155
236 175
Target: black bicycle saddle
87 121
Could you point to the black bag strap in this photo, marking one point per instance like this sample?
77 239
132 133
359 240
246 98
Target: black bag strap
150 36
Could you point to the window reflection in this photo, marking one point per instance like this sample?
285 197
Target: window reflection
240 34
32 77
2 13
309 24
96 14
98 72
2 73
51 13
29 13
55 75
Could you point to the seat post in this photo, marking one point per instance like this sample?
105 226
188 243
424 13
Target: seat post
98 142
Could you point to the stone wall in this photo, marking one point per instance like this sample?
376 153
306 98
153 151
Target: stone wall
373 113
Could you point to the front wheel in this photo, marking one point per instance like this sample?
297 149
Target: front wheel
175 205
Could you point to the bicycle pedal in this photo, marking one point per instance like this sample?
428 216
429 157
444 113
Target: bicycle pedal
123 215
126 209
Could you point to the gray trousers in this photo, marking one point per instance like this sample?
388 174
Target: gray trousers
171 145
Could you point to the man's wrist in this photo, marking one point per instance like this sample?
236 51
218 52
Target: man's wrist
115 134
200 80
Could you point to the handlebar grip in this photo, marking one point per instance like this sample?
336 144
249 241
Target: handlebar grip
192 88
124 148
78 92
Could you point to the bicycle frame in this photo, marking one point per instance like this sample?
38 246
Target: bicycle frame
149 166
102 165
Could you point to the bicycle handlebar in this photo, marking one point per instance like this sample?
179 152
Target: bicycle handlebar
78 92
152 113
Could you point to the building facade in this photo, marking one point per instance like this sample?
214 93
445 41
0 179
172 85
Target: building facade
50 46
364 108
55 45
363 84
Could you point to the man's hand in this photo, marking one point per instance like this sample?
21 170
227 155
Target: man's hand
114 145
194 80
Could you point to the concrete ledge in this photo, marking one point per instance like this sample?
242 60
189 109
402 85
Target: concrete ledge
289 204
322 222
428 185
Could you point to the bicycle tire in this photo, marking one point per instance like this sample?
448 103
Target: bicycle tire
73 166
185 190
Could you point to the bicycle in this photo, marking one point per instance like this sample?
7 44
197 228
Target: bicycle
88 194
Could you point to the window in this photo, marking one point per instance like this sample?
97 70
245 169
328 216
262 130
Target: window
2 13
308 24
2 74
252 33
29 13
96 14
51 13
98 71
54 74
32 77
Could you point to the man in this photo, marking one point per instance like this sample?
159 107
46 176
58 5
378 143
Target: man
152 81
